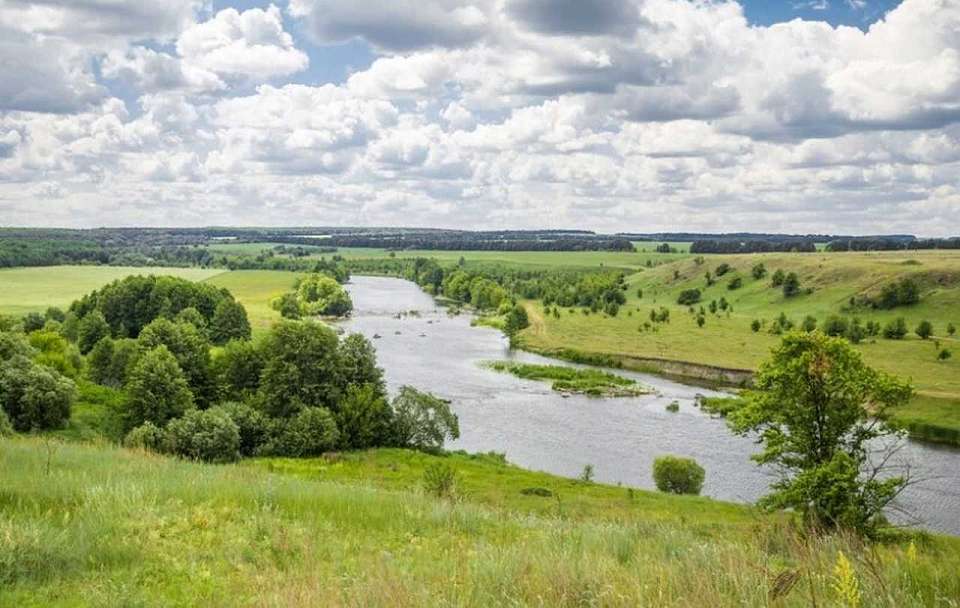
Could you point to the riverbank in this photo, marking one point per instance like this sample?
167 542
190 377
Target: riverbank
363 529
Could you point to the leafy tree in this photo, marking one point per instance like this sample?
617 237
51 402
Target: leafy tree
13 344
32 322
192 351
311 432
364 418
423 421
319 294
206 435
287 305
157 390
55 314
300 368
678 475
896 329
54 351
192 316
34 396
90 330
810 410
237 368
689 297
111 360
791 285
229 322
357 364
924 329
778 278
252 425
758 271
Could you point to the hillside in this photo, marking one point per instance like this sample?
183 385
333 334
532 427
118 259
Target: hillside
85 525
727 340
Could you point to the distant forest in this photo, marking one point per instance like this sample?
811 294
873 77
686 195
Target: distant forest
189 246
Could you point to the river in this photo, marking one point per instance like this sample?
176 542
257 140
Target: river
541 429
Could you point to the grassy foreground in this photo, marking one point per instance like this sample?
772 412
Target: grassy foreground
82 525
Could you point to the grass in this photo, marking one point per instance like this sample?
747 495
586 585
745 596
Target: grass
726 339
88 525
34 289
255 289
593 382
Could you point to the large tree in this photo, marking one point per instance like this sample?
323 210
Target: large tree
818 411
300 368
157 390
35 397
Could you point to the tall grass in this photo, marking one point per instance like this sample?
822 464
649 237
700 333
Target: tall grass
107 527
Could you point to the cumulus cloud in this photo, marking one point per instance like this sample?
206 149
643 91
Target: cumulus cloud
608 114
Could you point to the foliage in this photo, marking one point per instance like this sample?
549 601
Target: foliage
6 427
110 361
364 418
593 382
758 271
809 407
300 368
207 435
252 426
237 368
904 292
895 329
924 329
319 294
34 396
311 432
356 363
515 320
778 278
791 285
192 351
735 283
90 330
229 322
54 351
157 390
423 421
440 480
147 436
678 475
688 297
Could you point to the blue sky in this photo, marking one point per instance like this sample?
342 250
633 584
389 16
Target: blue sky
612 115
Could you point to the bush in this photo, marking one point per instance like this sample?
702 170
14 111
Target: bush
758 271
689 297
252 425
423 421
835 326
905 292
777 279
229 322
735 283
310 433
207 435
440 480
791 285
896 329
924 329
147 436
944 355
678 475
237 367
111 360
90 330
35 397
32 322
809 323
755 325
722 269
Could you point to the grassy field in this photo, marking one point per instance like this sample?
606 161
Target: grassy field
254 289
84 525
24 290
727 340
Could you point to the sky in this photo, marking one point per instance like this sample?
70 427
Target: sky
827 116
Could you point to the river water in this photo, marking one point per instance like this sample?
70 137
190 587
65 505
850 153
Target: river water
543 430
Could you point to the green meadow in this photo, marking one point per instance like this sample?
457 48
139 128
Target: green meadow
92 525
34 289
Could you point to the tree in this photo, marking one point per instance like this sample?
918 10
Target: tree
237 367
55 314
791 285
836 326
35 397
229 322
423 421
951 330
755 325
678 475
810 410
924 329
252 425
758 271
778 278
364 418
809 323
735 283
192 351
515 321
319 294
896 329
13 344
110 361
91 329
206 435
32 322
689 297
157 390
300 368
944 354
357 364
311 432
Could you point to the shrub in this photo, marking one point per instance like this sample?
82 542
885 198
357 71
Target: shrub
111 360
35 397
835 326
758 271
423 421
157 390
673 406
207 435
311 432
905 292
755 325
90 330
735 283
924 329
536 491
147 436
688 297
944 355
678 475
951 329
440 480
32 322
856 332
722 269
55 314
791 285
14 344
252 425
237 367
778 278
809 323
896 329
54 351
